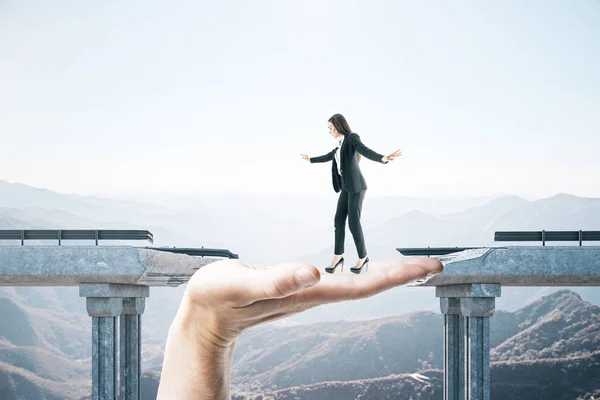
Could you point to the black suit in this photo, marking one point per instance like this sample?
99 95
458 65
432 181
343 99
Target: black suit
353 188
352 179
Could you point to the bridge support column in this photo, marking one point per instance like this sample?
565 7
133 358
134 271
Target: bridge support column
104 346
131 347
105 302
467 309
453 349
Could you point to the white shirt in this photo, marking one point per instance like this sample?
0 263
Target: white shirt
337 155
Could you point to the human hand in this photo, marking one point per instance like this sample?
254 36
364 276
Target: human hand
227 297
304 156
392 156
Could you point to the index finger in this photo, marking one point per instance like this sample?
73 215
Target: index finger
383 276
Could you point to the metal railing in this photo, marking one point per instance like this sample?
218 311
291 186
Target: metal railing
106 234
509 236
431 251
546 236
202 252
75 234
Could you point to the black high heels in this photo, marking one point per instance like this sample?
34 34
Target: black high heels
364 264
331 270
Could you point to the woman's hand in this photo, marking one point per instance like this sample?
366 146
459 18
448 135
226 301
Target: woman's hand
304 156
391 157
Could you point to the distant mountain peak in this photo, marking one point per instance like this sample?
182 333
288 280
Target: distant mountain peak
563 294
417 212
562 300
564 196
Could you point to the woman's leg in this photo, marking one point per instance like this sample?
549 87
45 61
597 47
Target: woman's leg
339 223
355 201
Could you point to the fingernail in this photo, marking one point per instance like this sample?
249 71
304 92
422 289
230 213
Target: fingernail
305 277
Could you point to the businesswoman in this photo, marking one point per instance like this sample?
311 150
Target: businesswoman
349 181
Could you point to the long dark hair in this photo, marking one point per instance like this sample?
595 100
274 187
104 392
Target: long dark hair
341 125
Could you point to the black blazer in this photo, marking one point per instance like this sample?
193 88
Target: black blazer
352 179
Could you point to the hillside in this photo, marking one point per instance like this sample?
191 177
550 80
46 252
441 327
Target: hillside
575 378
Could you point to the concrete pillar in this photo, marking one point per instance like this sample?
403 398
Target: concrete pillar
467 309
106 302
104 346
453 349
131 347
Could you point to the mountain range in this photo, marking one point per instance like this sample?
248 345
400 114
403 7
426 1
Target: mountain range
547 349
48 327
550 345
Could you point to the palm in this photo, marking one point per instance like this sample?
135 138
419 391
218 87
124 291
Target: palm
231 295
385 275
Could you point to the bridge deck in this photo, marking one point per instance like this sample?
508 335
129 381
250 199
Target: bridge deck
520 266
72 265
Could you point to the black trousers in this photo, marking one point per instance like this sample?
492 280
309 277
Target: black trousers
349 205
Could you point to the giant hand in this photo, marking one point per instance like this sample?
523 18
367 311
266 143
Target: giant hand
227 297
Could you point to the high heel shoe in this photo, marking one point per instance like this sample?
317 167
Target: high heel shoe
364 264
331 270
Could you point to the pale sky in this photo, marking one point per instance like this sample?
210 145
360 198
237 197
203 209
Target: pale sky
119 98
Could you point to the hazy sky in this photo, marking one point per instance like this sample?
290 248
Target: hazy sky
483 97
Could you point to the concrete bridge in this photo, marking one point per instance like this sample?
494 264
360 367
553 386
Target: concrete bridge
115 281
467 289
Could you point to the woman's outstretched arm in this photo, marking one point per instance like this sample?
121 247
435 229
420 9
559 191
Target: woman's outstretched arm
324 158
364 150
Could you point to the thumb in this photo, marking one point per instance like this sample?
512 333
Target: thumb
281 281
